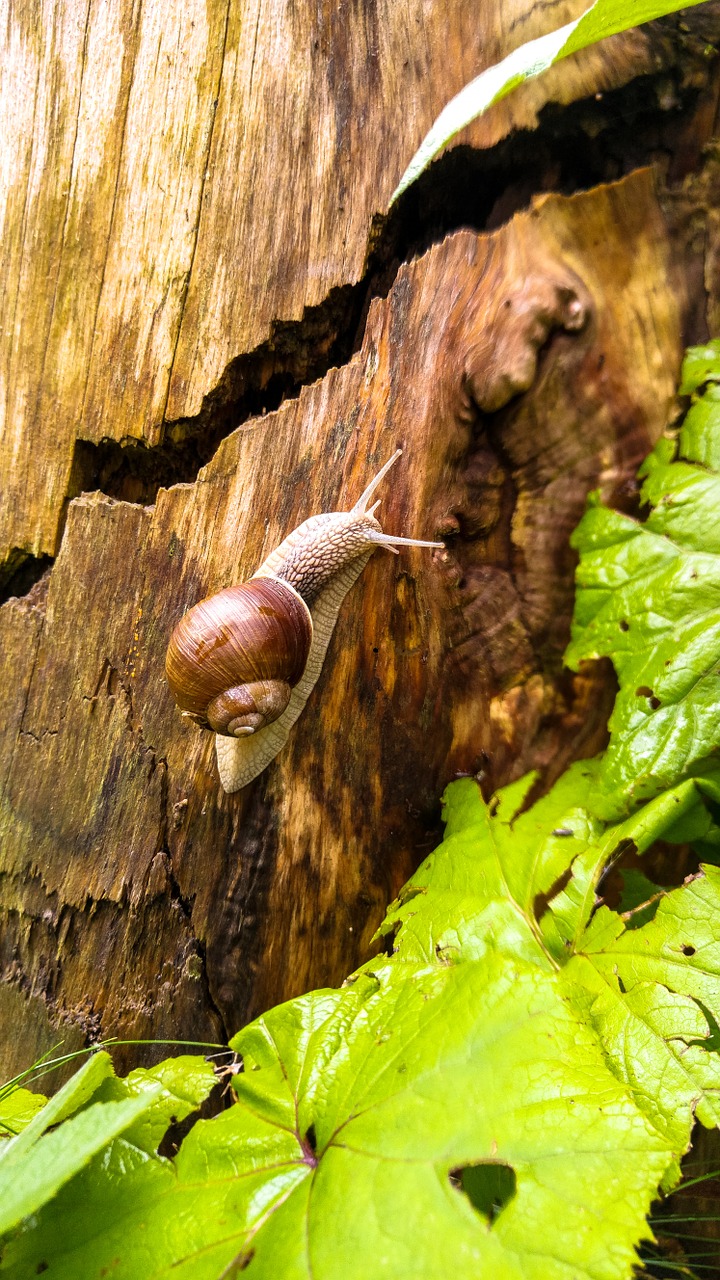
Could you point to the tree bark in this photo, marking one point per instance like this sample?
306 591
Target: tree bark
211 175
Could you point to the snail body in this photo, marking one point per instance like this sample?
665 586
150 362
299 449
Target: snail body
244 661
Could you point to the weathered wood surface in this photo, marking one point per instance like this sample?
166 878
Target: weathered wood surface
179 178
518 370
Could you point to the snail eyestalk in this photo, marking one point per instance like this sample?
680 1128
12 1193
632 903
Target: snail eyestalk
361 504
391 541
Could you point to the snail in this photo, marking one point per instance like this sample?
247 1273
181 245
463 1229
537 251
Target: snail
244 661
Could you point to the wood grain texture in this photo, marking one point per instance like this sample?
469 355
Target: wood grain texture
517 370
174 180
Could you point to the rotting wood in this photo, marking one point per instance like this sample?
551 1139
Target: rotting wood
518 370
180 178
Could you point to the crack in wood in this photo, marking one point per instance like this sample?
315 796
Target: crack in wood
21 573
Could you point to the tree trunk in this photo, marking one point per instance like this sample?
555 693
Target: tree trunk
194 234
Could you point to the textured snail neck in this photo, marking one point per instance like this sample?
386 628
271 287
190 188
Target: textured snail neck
314 553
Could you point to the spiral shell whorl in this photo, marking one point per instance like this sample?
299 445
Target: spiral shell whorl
247 707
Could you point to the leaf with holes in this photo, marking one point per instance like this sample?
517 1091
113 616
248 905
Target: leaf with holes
653 995
649 598
604 18
523 880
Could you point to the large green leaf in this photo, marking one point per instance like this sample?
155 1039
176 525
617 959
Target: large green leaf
524 882
649 598
355 1110
653 995
602 19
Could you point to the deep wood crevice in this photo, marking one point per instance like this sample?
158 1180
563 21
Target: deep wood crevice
599 139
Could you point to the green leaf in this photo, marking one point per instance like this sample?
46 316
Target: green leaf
30 1178
602 19
355 1114
700 434
524 881
96 1107
17 1109
649 598
653 996
655 1011
478 890
178 1087
701 364
73 1095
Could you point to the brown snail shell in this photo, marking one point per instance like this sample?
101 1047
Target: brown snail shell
234 658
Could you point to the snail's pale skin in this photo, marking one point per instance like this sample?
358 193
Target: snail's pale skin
318 563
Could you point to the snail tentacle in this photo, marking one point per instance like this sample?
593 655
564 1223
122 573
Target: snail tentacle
361 504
